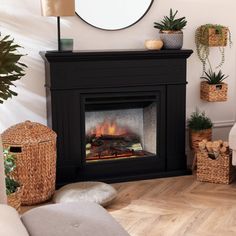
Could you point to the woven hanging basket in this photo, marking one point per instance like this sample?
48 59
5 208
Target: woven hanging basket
218 170
212 37
197 136
14 199
34 147
213 92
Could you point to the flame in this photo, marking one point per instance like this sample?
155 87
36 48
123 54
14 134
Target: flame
108 127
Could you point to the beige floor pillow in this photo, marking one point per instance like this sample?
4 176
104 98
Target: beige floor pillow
98 192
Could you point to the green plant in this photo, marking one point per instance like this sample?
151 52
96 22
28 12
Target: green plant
199 121
171 23
203 50
10 67
10 165
213 77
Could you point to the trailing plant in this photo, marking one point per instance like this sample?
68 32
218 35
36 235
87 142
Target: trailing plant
11 69
213 77
203 49
10 165
170 23
199 121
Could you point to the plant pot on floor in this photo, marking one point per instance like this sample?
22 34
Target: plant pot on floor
213 92
172 39
197 136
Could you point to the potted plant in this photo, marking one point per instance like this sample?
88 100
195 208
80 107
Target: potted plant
200 128
171 30
213 89
211 35
13 189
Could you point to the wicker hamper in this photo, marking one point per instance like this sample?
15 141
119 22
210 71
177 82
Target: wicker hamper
34 146
218 170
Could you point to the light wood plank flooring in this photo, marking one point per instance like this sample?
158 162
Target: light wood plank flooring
175 206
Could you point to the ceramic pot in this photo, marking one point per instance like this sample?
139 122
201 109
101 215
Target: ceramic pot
153 44
172 39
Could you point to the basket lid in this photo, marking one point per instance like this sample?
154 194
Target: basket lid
27 133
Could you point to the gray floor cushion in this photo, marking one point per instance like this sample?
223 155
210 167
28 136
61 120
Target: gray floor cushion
71 219
97 192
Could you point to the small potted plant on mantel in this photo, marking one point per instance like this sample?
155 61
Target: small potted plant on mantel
213 89
171 30
200 127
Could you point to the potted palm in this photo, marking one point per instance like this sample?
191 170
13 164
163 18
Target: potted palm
170 29
213 89
13 189
11 69
200 128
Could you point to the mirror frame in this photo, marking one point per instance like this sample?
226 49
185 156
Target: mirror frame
119 28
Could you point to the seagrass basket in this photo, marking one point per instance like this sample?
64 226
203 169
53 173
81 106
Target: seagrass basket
34 147
212 37
197 136
14 199
213 92
219 171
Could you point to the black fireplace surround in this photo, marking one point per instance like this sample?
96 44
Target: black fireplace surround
82 81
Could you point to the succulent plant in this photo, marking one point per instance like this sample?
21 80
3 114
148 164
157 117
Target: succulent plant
170 23
213 77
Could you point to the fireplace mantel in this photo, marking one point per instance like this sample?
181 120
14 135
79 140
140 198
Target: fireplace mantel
71 77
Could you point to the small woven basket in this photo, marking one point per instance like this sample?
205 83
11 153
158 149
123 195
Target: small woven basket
14 199
213 38
213 92
219 171
197 136
34 147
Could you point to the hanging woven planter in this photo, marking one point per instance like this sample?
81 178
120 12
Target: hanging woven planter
215 36
213 92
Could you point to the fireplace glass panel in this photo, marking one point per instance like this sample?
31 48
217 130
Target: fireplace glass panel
113 134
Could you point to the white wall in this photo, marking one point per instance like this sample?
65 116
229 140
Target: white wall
22 19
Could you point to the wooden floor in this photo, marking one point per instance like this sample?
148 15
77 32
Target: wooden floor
176 206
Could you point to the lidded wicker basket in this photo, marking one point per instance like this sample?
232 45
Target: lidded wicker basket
34 147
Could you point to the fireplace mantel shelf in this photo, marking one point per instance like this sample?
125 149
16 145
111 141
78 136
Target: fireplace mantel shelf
54 56
82 81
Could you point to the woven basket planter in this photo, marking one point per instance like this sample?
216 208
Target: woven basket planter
213 92
14 199
34 147
218 170
213 38
197 136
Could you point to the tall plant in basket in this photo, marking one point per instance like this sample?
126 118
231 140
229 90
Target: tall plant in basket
11 69
200 127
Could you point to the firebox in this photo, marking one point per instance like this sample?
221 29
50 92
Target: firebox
118 115
120 127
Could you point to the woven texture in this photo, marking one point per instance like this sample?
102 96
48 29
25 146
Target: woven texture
36 163
212 38
218 170
197 136
214 92
14 199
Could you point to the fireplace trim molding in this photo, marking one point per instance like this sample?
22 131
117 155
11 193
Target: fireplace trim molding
71 76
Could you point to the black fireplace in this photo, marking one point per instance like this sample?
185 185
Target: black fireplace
118 115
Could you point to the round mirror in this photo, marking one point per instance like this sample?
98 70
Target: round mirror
112 14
